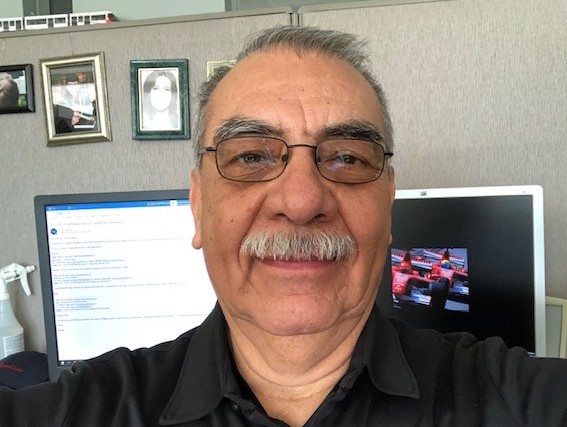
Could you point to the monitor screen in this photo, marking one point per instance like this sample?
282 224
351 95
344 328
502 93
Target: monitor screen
469 259
117 270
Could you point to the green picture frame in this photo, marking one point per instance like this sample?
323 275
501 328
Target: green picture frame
160 99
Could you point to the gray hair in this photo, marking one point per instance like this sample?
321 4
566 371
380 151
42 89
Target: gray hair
12 92
344 46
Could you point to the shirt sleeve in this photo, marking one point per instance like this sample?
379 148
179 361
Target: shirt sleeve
43 404
509 387
95 393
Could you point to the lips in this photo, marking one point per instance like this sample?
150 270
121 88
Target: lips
298 257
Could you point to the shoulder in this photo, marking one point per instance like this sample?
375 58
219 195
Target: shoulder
121 384
485 379
419 342
157 366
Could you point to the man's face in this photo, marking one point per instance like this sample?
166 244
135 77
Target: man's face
298 99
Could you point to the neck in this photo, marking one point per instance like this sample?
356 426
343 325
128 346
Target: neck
292 375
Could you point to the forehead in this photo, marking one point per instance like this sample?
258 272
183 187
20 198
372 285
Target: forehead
163 80
299 94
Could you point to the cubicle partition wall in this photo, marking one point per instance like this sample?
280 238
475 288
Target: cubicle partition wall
477 91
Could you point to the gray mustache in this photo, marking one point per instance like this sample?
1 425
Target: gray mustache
305 245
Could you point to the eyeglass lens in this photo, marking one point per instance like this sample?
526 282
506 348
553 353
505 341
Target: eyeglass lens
253 159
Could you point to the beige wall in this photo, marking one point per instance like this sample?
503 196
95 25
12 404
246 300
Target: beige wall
12 9
128 10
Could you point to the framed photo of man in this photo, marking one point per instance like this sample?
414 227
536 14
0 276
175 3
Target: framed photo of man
160 99
16 89
75 97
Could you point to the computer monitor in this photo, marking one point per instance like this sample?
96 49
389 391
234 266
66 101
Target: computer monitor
469 259
117 270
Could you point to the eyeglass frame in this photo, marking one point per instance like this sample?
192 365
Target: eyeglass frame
387 156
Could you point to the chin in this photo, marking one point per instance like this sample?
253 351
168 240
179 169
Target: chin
296 319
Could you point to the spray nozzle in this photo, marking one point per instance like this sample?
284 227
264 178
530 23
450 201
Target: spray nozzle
14 272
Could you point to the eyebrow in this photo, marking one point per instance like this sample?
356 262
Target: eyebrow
241 126
354 129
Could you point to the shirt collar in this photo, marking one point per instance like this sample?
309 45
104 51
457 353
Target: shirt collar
206 375
380 351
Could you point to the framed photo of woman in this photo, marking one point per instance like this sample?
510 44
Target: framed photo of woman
160 99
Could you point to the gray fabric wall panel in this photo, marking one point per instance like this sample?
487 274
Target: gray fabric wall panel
28 167
478 96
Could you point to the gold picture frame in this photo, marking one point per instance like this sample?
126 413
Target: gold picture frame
213 65
75 99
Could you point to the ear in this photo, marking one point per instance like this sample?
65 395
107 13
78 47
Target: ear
391 176
392 187
196 207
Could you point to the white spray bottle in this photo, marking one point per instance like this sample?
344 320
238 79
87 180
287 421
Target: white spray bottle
11 332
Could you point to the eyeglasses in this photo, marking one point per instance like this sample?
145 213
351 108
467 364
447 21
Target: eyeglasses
257 159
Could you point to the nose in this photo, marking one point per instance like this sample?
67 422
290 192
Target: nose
301 194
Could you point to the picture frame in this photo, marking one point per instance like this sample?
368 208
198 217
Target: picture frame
16 89
556 330
75 99
160 99
213 65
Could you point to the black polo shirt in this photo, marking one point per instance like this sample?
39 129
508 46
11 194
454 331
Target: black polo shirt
398 377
